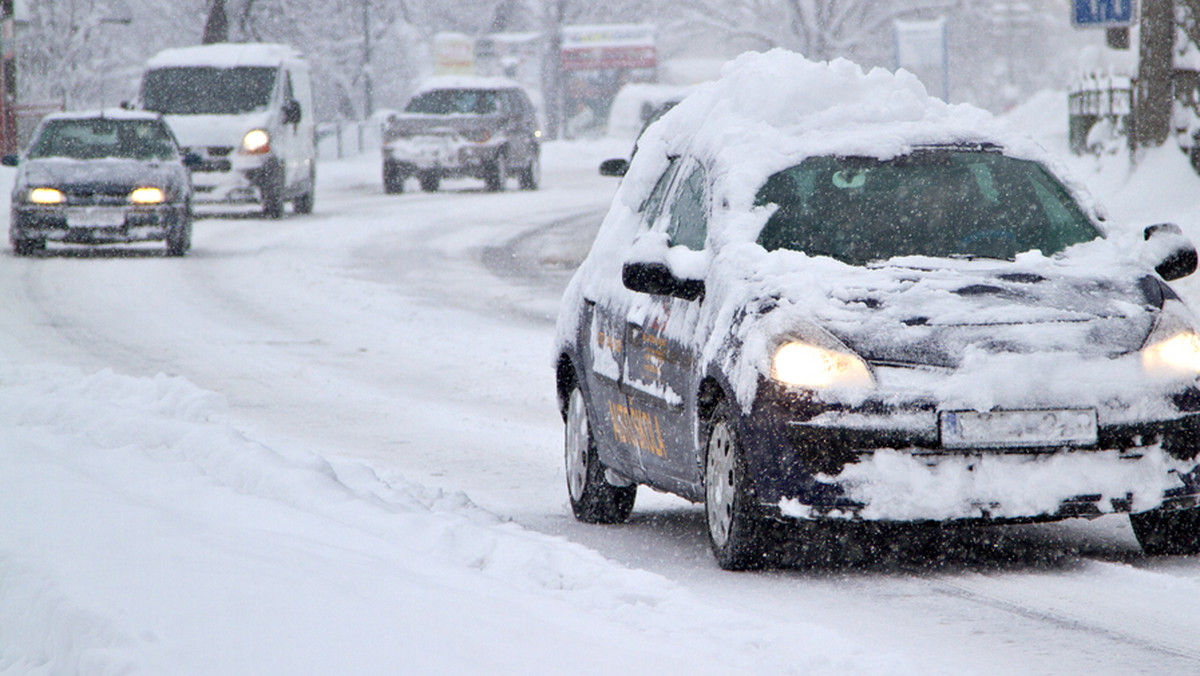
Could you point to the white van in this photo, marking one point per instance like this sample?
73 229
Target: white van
246 110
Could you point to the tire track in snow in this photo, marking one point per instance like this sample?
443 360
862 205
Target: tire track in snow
1080 602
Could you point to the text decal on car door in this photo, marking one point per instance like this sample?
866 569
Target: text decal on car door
634 427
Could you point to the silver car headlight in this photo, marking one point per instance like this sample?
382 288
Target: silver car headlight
1173 348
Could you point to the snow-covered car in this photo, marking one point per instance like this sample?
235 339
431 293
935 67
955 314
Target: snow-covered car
821 295
101 177
456 127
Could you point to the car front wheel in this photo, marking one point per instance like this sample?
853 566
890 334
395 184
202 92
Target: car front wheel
736 530
593 498
179 237
496 174
1168 531
531 176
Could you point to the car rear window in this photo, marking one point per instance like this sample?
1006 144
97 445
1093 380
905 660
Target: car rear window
94 138
930 203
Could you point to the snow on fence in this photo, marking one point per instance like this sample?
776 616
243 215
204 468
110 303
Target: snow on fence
1093 99
348 138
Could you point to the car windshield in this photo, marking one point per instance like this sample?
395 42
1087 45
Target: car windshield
208 90
94 138
930 203
453 102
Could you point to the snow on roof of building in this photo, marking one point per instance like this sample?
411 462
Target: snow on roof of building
225 55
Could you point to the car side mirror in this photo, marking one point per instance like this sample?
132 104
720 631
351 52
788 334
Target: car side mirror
192 160
10 160
657 279
614 167
1173 255
291 112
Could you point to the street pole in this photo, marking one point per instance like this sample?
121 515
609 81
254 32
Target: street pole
1156 65
368 86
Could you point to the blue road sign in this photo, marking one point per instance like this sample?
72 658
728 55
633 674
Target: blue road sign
1103 13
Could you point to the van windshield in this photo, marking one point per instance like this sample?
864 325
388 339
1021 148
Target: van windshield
208 90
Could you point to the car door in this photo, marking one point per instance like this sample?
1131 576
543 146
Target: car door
659 358
622 430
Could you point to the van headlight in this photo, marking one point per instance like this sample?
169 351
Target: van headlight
1173 348
256 142
801 364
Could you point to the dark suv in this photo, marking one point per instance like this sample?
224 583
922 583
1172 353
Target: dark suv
453 127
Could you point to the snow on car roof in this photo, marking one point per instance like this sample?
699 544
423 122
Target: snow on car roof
771 110
225 55
112 113
466 82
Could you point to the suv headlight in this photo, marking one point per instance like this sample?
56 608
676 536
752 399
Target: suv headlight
801 364
147 196
1173 348
256 142
46 196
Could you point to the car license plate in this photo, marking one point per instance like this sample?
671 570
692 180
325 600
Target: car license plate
1019 429
95 217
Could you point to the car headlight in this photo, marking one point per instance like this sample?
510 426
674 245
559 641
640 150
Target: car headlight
801 364
46 196
256 141
147 196
1173 347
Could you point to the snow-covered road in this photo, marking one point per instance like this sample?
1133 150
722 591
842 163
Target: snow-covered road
302 448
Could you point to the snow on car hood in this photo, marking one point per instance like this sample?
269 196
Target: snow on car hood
983 325
215 130
929 312
108 171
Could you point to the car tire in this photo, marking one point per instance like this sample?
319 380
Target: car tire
496 174
304 203
736 529
1168 531
593 498
430 181
531 176
179 237
393 179
272 192
28 247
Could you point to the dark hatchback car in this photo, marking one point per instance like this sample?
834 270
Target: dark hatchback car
938 332
101 177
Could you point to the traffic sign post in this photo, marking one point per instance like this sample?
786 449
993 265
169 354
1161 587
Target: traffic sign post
1104 13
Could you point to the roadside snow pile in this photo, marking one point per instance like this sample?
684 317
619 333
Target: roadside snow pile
141 535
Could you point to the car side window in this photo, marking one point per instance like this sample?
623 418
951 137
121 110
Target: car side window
689 212
652 205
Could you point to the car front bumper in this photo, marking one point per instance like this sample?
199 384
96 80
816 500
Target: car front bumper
447 156
231 177
887 461
95 225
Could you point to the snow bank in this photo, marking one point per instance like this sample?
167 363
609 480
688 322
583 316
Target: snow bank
143 535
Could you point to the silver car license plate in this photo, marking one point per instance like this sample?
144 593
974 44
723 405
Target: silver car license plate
1019 429
95 217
